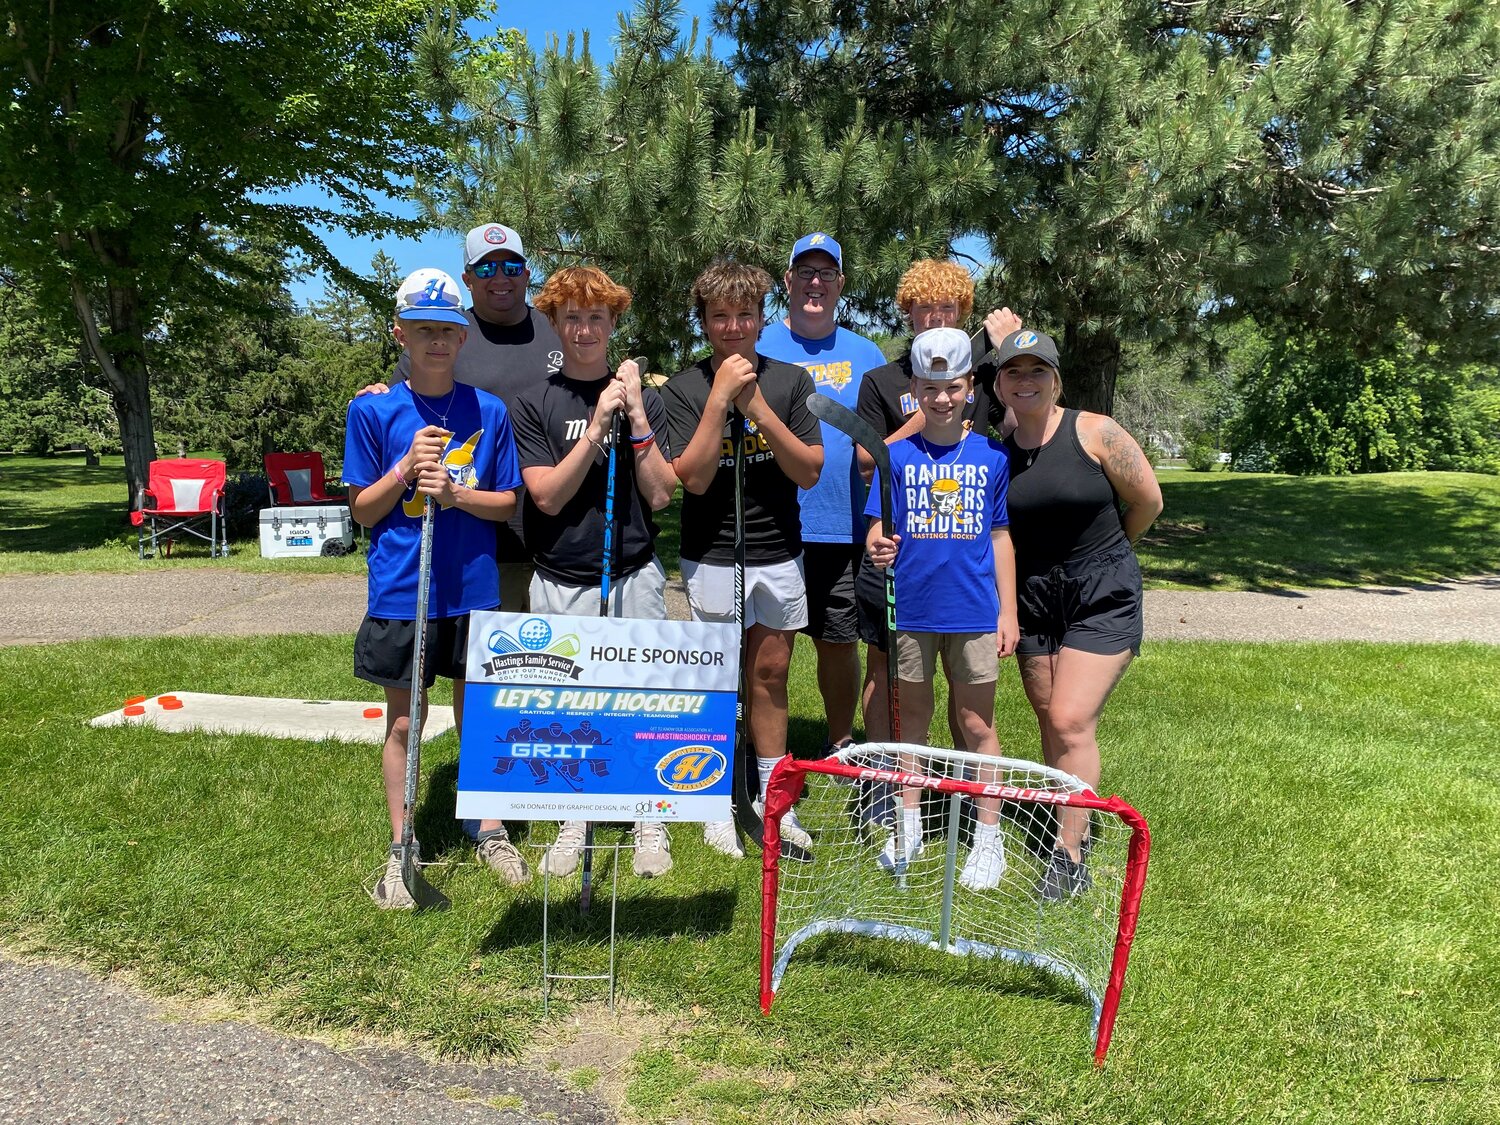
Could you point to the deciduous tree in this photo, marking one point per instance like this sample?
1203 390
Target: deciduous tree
140 140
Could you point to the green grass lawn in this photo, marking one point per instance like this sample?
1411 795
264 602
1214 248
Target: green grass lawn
1317 941
1242 531
1219 530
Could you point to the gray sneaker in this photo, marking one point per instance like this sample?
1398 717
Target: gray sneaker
561 859
500 856
390 893
1064 878
653 849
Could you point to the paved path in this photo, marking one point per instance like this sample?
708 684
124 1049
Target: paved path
75 1049
37 609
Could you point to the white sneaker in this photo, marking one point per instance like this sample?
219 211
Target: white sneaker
721 836
985 865
887 857
791 828
653 849
561 859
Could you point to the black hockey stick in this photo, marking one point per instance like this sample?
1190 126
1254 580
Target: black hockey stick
746 762
865 436
606 581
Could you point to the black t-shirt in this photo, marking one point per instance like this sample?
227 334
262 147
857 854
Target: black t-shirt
504 359
773 520
886 402
549 419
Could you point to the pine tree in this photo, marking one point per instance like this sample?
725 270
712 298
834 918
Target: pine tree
1315 162
650 166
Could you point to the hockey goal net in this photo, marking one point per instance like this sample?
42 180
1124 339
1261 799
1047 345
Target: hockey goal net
901 851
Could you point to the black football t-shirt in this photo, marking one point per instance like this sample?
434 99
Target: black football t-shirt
773 519
886 401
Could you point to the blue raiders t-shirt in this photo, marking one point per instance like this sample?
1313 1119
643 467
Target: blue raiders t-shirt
837 363
481 454
945 502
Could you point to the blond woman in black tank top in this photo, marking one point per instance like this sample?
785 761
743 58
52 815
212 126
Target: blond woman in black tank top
1078 583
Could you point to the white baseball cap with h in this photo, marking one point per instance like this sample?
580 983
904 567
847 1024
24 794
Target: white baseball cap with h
940 354
486 239
430 294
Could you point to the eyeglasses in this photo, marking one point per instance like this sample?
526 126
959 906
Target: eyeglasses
486 270
826 276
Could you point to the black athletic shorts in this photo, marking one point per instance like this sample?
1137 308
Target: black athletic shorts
869 600
828 571
1092 605
383 650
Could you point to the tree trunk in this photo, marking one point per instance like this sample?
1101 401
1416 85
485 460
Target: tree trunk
137 431
123 360
1090 364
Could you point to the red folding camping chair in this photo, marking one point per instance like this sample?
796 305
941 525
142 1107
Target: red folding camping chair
297 478
183 496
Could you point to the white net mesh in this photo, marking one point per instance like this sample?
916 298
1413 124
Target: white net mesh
933 864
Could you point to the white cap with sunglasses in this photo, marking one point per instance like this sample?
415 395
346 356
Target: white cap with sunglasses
486 239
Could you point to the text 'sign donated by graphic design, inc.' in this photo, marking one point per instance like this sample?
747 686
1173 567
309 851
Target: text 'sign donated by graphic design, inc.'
598 718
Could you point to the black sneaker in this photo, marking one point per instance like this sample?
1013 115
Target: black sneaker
1064 878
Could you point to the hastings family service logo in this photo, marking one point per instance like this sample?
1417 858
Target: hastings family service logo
690 769
532 652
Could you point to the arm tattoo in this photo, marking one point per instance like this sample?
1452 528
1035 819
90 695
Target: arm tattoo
1120 455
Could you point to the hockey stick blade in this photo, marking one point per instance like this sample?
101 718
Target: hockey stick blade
852 426
979 346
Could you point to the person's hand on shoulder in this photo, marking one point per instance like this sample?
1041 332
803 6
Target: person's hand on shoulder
372 389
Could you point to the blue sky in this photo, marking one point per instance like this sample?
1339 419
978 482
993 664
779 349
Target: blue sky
538 19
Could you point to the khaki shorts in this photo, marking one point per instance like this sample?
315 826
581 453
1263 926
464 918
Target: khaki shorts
970 658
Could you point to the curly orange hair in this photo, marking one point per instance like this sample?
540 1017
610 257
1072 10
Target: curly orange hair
581 286
930 280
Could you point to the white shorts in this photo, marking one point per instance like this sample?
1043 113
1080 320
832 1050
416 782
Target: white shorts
642 595
775 595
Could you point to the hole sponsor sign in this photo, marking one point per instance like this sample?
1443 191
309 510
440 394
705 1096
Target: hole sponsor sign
593 718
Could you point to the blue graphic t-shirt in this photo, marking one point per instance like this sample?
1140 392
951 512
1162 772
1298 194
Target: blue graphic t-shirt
945 502
837 363
481 454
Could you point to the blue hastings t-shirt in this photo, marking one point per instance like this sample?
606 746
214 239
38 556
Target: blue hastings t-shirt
946 501
837 363
481 454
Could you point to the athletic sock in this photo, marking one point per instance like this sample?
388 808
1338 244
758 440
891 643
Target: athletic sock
911 824
765 766
984 834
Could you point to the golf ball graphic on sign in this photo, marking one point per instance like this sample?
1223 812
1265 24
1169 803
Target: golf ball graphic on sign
535 634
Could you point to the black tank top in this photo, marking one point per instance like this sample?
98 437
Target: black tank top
1062 506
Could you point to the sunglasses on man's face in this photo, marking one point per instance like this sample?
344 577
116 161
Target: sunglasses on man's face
486 270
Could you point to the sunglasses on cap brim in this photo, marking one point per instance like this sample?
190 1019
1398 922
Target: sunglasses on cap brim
486 270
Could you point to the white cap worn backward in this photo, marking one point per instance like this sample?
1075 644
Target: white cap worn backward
941 353
430 295
490 237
